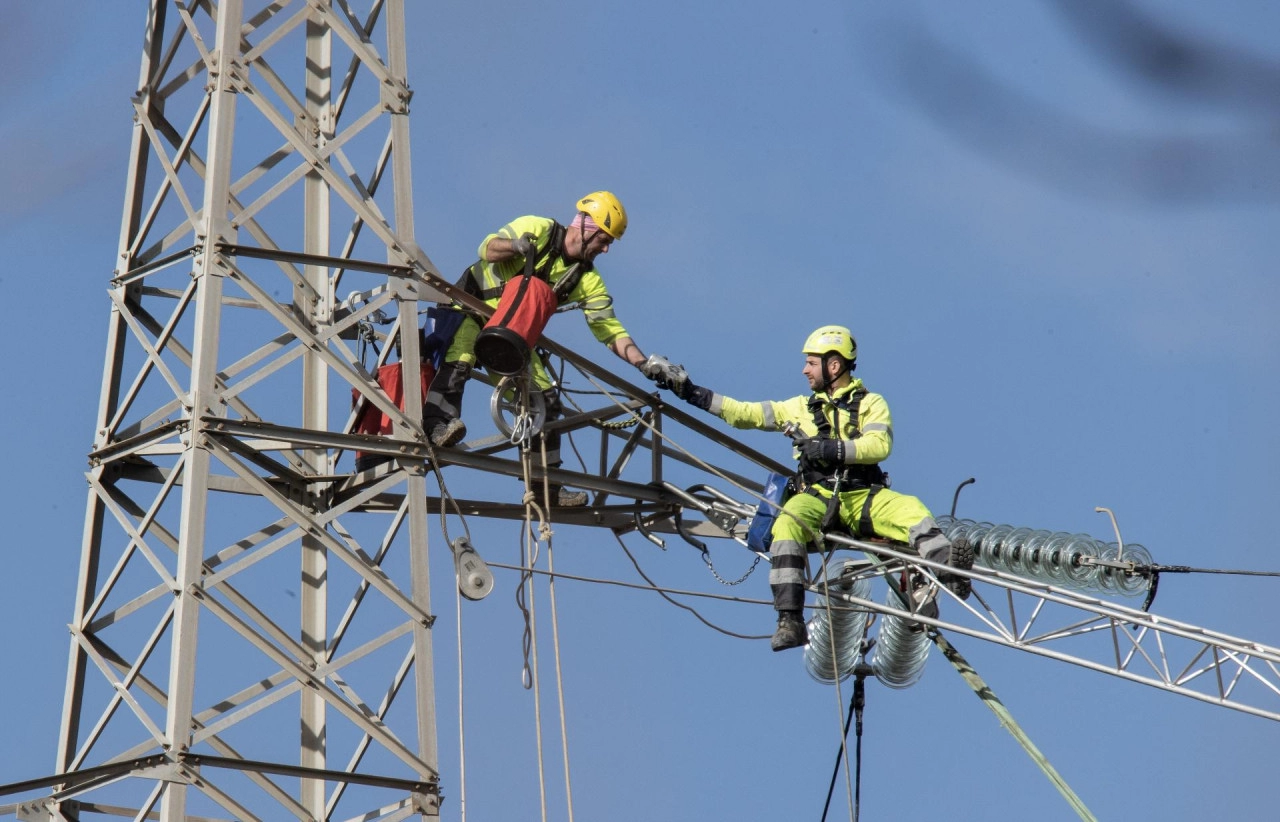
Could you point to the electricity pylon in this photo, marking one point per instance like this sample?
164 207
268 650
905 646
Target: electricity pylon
208 678
269 167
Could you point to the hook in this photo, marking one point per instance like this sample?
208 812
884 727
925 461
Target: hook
647 534
956 499
1115 527
694 541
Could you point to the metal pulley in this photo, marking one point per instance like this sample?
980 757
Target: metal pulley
475 580
517 412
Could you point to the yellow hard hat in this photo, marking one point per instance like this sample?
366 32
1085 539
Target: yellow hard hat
606 211
831 338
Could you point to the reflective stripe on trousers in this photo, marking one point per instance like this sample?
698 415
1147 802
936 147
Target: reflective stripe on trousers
899 517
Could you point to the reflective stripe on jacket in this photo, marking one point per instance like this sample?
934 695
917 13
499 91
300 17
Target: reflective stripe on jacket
590 289
874 421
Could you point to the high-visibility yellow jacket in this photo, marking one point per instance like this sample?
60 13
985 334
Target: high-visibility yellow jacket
868 442
590 290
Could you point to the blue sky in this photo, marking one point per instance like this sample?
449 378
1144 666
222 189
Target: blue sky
1060 270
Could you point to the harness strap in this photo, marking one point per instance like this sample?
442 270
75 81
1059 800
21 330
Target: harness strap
865 527
852 476
473 278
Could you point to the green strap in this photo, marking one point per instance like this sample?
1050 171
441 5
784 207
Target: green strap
989 698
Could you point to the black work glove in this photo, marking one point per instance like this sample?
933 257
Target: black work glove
523 245
822 451
695 395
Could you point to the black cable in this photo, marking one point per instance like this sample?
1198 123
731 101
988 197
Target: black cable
1187 569
955 499
856 702
693 611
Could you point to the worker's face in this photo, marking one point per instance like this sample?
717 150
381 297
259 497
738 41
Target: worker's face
813 371
587 245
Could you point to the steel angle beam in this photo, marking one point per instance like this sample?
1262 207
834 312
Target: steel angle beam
1097 634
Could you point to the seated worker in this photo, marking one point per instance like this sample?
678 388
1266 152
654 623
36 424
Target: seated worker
847 433
565 259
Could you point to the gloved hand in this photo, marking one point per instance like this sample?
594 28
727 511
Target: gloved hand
523 245
654 366
695 395
821 450
659 369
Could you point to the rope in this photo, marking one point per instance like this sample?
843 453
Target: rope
446 496
545 530
462 736
529 542
530 674
525 602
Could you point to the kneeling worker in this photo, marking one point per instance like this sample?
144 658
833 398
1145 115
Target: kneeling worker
847 433
564 257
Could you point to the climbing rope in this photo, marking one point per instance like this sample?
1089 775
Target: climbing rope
530 540
545 531
447 499
529 673
462 734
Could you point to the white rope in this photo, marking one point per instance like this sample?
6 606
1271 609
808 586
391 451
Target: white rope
555 637
462 736
447 498
531 673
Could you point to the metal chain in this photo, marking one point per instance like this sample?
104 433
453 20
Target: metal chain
706 557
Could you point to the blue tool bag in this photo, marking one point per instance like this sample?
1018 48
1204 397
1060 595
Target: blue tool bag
759 533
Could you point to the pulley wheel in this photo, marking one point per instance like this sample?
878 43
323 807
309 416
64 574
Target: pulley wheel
506 409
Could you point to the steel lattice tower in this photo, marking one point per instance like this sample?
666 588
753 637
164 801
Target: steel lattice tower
209 677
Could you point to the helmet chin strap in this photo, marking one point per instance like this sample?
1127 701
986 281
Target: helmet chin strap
827 381
584 240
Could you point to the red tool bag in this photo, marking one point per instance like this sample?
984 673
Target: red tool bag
504 344
371 420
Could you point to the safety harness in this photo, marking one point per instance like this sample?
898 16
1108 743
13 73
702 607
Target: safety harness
543 261
841 478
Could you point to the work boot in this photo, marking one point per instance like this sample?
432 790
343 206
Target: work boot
791 631
445 433
924 599
565 498
962 558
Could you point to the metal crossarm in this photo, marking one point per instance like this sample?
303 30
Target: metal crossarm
1102 636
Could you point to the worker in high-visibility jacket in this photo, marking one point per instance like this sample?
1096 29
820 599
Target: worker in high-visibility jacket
846 432
564 257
